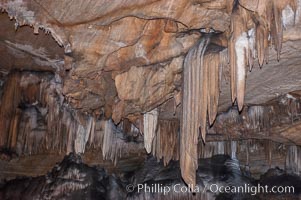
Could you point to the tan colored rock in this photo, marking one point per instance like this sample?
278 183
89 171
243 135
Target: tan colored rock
154 46
146 87
89 94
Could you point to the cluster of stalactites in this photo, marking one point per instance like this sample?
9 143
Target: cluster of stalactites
161 137
67 130
114 145
293 160
201 83
34 119
166 141
255 25
9 113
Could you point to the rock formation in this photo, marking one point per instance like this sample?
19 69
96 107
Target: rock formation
116 80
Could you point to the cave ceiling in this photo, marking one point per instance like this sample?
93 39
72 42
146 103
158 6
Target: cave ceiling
129 61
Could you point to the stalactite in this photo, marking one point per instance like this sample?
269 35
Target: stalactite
80 142
92 135
166 142
73 130
201 93
277 27
241 50
240 46
65 130
253 29
69 131
114 143
150 122
35 119
201 88
13 131
30 138
194 110
213 86
248 155
270 152
262 43
233 149
212 148
10 100
256 117
293 160
237 28
108 139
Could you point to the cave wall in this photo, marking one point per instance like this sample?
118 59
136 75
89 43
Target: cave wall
167 76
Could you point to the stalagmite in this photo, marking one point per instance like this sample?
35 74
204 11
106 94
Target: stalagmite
150 122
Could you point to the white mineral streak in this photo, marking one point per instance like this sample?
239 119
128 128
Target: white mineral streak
150 122
293 160
40 55
233 149
256 116
79 143
82 136
291 14
107 139
221 147
241 46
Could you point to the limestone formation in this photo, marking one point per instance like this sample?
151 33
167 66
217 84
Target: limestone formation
120 80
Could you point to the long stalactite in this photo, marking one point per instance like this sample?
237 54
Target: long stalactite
249 32
201 83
